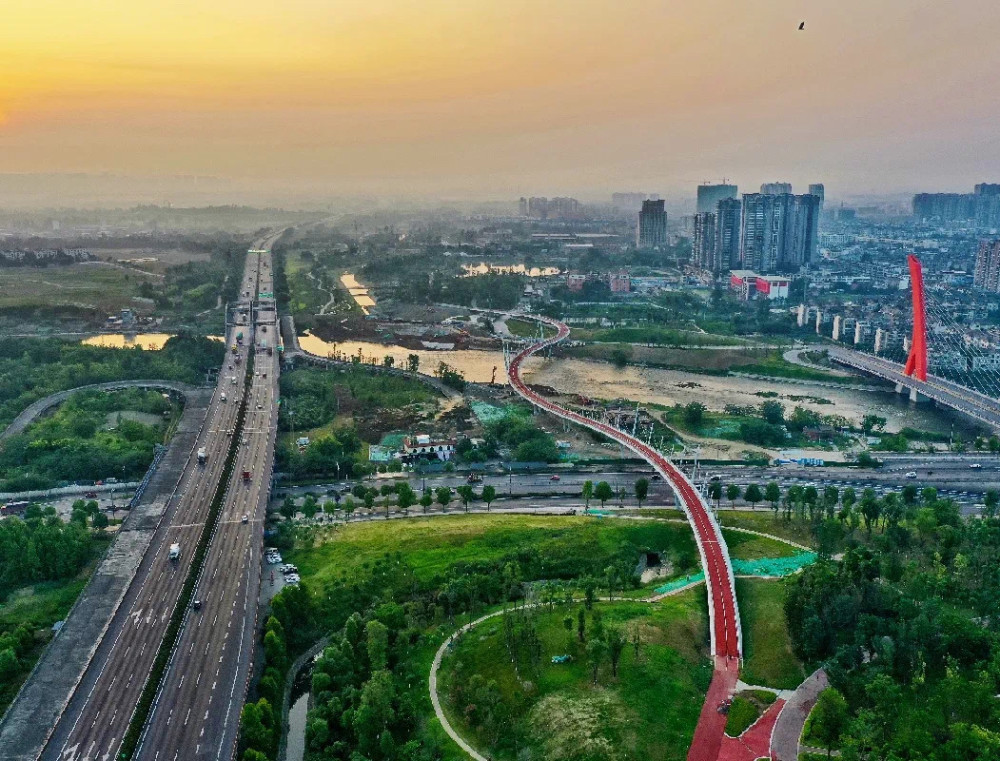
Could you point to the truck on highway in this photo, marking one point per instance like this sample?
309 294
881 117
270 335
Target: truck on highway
239 337
202 456
175 551
246 475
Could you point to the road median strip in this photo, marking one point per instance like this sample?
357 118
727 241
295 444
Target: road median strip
150 691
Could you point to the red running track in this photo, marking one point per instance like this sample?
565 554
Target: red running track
724 621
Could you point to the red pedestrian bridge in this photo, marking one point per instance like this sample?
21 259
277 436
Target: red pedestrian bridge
723 612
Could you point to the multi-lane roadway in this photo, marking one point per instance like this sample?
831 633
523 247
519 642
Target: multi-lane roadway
196 714
97 717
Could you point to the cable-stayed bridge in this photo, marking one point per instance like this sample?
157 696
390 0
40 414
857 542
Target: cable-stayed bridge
914 378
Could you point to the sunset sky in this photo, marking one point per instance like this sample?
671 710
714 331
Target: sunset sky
506 97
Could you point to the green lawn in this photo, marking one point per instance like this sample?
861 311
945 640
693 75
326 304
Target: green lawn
744 546
767 647
659 336
306 295
563 546
528 328
776 366
432 545
742 713
648 711
747 707
101 287
763 520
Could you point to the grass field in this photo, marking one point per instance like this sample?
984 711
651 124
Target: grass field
747 707
528 328
658 336
101 286
710 361
432 545
749 547
765 522
648 711
306 295
768 657
754 361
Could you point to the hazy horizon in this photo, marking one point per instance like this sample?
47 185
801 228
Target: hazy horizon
491 101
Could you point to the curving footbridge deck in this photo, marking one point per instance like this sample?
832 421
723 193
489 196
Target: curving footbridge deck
724 615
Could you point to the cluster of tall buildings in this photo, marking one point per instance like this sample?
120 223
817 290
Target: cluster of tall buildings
551 208
981 207
987 274
770 231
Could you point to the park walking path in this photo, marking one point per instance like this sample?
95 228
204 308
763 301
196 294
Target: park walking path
724 621
792 719
443 649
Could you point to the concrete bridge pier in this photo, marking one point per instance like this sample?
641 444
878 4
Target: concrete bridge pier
915 396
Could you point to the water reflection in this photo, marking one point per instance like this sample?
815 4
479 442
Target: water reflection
361 295
150 341
476 366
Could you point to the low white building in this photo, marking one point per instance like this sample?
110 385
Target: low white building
422 447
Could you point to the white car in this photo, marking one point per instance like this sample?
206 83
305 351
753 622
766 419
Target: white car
976 466
288 568
292 578
274 559
911 474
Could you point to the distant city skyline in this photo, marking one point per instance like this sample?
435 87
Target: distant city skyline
489 101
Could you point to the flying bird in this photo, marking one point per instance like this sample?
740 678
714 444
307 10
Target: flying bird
802 26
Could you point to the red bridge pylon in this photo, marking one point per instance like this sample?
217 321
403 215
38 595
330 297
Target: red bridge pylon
916 363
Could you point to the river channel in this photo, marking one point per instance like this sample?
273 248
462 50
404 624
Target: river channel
604 381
